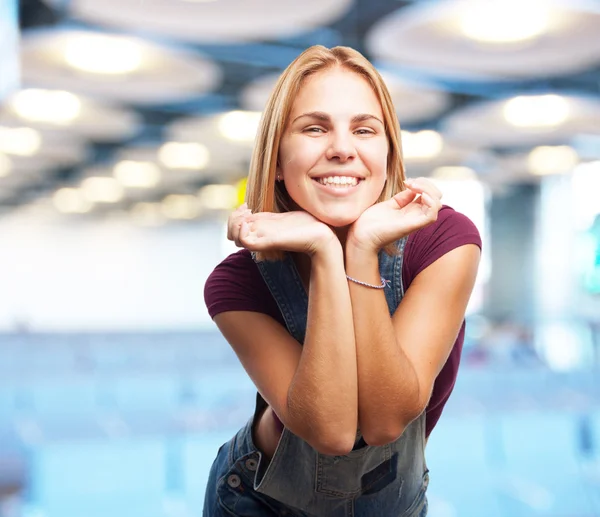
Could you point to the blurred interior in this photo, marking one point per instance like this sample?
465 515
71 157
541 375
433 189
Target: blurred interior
126 128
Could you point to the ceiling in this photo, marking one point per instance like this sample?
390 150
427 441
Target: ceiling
142 93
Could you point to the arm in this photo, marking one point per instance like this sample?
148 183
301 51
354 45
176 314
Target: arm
399 358
313 389
323 395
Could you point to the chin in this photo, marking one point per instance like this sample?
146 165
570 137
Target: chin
338 221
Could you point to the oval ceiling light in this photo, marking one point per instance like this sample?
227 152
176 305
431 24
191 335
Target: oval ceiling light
524 121
184 155
212 22
71 201
5 165
96 66
181 206
147 214
421 145
454 173
102 190
21 141
509 21
103 54
134 174
240 126
218 197
482 40
63 111
545 160
536 111
54 106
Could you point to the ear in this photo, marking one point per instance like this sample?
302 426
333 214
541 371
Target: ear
278 172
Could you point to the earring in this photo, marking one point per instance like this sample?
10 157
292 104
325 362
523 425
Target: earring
278 177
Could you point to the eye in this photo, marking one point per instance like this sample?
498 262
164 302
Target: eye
364 131
314 129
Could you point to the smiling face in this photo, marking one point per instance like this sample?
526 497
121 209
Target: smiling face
333 152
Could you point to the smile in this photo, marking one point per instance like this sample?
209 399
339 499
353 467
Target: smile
338 181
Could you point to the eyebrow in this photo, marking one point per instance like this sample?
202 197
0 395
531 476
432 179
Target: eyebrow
324 117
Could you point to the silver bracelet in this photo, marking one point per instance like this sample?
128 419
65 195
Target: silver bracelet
384 283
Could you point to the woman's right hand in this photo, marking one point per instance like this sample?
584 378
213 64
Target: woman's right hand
296 231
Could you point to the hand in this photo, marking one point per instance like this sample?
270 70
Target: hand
296 231
388 221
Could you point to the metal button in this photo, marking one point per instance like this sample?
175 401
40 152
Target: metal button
251 464
234 481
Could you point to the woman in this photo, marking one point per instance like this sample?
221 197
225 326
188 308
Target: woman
311 305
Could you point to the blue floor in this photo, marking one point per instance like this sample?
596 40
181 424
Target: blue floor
129 425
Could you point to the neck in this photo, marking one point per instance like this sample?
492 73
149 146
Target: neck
342 234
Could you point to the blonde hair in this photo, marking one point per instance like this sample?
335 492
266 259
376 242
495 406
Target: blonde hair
263 194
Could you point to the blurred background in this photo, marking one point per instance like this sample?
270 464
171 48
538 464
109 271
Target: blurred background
126 128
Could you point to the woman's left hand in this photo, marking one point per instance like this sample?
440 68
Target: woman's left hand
390 220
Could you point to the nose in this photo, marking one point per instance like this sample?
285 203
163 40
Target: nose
340 147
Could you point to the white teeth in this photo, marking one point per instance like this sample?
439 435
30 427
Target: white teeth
341 181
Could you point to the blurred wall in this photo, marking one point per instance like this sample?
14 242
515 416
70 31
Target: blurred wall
512 219
105 276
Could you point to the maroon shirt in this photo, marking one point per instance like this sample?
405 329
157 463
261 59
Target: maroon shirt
237 285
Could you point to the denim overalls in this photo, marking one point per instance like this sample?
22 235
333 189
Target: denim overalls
370 481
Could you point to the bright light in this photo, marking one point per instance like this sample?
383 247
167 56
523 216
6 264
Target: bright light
545 160
240 126
5 165
536 111
102 190
137 174
421 145
562 345
147 214
508 21
71 201
452 173
177 206
586 186
184 155
22 141
57 107
218 197
101 54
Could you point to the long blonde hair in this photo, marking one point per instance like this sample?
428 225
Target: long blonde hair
263 194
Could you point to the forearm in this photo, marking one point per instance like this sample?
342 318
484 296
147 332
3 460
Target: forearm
323 392
388 388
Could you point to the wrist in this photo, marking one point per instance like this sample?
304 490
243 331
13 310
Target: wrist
360 249
327 249
326 244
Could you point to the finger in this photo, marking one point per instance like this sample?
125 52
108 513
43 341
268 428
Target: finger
244 230
421 186
432 206
233 228
404 198
431 187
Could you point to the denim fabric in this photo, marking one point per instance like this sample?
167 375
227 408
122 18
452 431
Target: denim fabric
389 480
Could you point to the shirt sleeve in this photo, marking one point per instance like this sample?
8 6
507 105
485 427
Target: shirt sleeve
237 285
451 230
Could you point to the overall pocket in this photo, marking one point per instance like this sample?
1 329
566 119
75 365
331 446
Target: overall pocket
363 471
